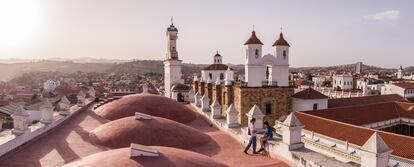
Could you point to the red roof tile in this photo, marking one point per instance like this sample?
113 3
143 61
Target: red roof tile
253 39
405 85
217 67
342 102
361 114
403 146
310 93
281 41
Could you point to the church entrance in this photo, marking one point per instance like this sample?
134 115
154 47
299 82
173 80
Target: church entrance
180 97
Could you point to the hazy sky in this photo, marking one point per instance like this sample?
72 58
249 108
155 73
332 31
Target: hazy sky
321 32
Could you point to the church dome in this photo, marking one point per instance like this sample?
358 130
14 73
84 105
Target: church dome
168 157
154 105
156 131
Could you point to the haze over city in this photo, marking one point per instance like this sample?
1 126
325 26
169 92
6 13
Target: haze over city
322 32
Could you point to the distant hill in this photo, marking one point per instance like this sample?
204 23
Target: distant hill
11 70
340 68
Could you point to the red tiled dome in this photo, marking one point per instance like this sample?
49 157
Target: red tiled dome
156 131
154 105
168 157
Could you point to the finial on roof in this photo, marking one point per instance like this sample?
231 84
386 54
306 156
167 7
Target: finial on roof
172 20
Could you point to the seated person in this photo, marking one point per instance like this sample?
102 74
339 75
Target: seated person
267 135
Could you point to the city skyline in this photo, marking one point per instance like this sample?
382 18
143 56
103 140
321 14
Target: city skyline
321 33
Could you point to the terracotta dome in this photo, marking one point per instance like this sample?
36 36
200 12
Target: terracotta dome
168 157
156 131
154 105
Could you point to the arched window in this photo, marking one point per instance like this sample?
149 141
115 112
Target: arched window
267 72
268 108
284 54
256 53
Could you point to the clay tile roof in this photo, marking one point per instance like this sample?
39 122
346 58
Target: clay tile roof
217 67
402 145
342 102
253 39
405 85
156 131
310 93
361 114
154 105
281 41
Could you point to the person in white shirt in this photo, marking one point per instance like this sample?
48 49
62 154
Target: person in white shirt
252 141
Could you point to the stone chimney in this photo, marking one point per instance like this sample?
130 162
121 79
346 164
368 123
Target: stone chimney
205 103
292 132
197 99
215 110
232 117
144 88
20 121
375 152
256 113
191 96
46 108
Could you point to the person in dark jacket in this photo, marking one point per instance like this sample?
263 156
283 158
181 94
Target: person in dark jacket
267 136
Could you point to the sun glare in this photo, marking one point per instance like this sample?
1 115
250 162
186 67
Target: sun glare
18 23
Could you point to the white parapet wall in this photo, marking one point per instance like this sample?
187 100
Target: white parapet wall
302 157
10 142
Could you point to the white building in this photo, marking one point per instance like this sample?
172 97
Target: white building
318 81
215 70
405 90
309 99
173 82
266 69
344 82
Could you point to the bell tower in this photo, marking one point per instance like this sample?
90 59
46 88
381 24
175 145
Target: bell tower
254 70
281 70
172 64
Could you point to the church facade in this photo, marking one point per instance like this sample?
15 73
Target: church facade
266 83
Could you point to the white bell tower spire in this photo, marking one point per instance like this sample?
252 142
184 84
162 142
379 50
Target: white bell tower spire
172 64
